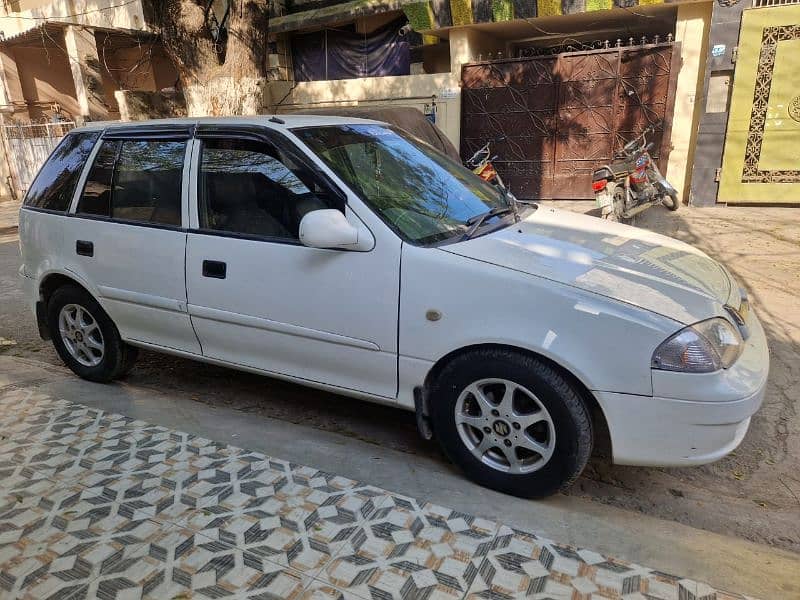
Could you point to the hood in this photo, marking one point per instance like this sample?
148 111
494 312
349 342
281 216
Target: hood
636 266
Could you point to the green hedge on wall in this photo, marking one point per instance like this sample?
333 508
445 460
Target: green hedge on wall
461 11
419 15
502 10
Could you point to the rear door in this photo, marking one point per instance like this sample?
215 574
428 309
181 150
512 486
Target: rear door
127 238
259 298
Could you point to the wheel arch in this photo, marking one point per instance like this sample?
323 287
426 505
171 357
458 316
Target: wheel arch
48 284
601 431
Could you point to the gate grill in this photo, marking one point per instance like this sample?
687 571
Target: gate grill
557 118
28 145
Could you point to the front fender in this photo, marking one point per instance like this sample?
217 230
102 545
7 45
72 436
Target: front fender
605 344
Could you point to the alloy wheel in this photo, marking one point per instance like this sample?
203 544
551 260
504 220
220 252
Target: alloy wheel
505 426
81 335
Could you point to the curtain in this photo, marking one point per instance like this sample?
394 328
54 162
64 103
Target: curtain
345 54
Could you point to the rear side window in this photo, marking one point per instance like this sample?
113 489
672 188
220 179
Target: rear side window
96 197
55 184
136 180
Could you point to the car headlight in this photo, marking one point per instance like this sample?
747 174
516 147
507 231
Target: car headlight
700 348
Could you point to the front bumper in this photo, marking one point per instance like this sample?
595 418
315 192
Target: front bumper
692 419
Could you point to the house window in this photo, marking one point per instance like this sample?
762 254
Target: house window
343 53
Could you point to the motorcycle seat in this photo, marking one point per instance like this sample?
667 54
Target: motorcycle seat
619 170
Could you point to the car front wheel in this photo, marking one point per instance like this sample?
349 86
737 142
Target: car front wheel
511 422
85 337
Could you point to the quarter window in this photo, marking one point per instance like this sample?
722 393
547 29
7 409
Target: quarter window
249 188
136 180
55 184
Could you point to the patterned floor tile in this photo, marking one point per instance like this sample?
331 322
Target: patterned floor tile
19 404
185 481
293 517
50 544
405 550
179 563
19 481
97 505
521 565
320 590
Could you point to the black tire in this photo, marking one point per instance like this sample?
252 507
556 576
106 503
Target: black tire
670 202
118 357
570 417
618 206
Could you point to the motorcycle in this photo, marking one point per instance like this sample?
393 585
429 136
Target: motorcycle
632 183
481 164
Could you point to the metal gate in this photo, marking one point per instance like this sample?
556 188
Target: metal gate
760 163
28 145
556 118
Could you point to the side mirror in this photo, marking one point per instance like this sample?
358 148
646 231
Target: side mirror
329 228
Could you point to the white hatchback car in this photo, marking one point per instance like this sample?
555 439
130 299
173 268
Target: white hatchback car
343 254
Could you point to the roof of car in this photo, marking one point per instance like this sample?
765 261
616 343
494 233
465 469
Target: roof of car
289 121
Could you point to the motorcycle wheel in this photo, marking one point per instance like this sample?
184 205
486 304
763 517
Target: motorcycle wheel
617 206
670 202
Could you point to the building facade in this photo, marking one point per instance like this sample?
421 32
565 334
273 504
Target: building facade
63 62
557 86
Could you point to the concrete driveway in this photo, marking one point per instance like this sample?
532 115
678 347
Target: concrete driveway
698 522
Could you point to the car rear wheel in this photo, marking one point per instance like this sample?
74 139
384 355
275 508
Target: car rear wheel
511 422
86 338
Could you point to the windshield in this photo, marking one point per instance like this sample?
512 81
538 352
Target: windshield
421 194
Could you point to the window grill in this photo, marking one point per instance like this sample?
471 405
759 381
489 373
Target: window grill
769 3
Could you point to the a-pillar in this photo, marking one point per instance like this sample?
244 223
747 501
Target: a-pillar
85 64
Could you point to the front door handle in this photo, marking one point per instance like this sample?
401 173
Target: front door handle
215 269
84 248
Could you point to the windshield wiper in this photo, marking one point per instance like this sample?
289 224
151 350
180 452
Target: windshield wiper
474 222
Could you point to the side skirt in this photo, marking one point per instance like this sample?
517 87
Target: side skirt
299 380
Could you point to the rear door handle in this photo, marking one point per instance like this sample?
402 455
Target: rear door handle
215 269
84 248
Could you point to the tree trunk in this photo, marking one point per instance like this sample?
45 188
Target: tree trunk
215 81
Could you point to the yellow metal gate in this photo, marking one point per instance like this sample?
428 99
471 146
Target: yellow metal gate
762 147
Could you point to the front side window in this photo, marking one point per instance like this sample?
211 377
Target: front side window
250 188
55 184
136 180
424 196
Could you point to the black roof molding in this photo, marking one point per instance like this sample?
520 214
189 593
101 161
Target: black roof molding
167 131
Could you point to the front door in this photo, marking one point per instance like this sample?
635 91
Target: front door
126 239
259 298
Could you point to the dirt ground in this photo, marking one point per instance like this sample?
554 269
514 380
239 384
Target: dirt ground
754 493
